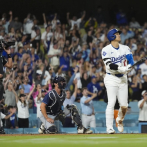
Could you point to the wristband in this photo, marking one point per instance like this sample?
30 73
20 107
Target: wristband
9 55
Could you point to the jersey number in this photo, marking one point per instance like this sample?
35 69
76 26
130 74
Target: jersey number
125 62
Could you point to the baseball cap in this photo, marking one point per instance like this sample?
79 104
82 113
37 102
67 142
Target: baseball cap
93 77
143 92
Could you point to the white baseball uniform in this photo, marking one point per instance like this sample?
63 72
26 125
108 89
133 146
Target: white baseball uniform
115 81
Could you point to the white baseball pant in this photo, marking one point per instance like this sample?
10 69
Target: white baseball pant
88 121
117 87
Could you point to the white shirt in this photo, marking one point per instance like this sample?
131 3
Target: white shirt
46 36
38 103
143 68
54 23
23 112
143 111
28 26
69 101
33 34
117 56
55 59
48 77
2 117
77 22
77 76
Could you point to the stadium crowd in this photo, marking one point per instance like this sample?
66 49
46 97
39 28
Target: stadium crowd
72 50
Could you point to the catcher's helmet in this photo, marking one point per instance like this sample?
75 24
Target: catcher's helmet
111 35
60 81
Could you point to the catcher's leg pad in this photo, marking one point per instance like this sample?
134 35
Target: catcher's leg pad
61 117
51 130
75 115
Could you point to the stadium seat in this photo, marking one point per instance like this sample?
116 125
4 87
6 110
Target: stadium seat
34 123
100 116
131 116
32 117
102 103
99 123
100 130
133 130
31 130
68 130
134 106
6 130
31 111
30 124
15 131
130 123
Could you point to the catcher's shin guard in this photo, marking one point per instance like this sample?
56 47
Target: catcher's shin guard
51 130
75 115
2 131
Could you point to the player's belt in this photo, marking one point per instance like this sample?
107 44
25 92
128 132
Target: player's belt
117 75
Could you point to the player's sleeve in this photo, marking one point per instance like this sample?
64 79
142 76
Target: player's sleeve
129 56
107 60
46 98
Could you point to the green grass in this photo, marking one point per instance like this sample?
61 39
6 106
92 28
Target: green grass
94 140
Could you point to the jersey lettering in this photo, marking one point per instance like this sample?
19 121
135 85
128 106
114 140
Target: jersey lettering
118 59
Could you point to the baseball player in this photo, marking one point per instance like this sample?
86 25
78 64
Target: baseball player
52 105
115 57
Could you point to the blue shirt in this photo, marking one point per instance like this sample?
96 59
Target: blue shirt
66 62
26 88
88 107
94 88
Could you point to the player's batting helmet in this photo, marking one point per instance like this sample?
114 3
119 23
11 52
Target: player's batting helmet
111 35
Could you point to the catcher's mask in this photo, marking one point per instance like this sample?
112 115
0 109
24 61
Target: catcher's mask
60 81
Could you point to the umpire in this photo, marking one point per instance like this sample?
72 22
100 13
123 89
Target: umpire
7 63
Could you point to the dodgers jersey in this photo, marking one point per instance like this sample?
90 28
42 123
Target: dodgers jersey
117 56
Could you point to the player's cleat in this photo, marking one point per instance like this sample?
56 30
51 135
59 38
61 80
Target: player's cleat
82 130
120 125
42 129
2 131
110 131
88 131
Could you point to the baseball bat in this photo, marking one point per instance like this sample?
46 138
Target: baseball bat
139 62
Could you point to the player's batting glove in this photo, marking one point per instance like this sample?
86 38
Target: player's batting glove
124 69
128 68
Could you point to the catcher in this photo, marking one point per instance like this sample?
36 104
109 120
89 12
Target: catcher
51 107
